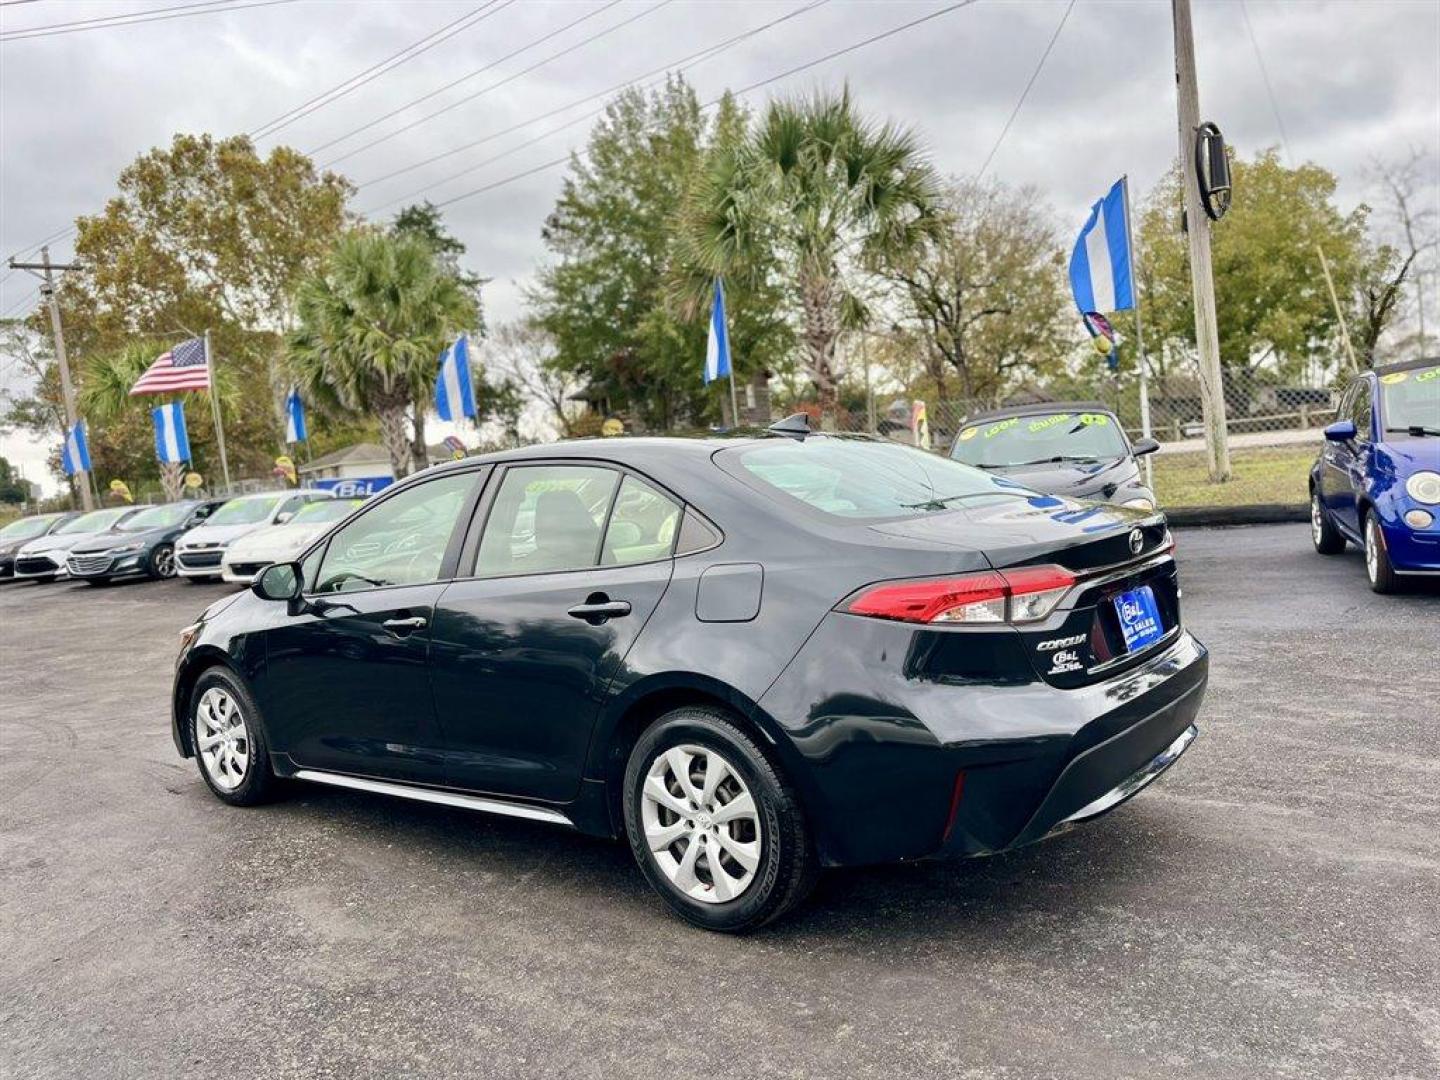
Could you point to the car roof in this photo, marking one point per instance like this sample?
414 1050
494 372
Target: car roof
1408 365
1038 408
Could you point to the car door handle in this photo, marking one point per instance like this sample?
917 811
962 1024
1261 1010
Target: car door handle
597 609
405 626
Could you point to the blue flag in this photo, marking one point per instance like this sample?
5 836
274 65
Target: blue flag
717 348
76 455
1100 267
172 445
454 396
295 419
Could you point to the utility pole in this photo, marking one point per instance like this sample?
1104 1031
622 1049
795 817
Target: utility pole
45 267
1207 331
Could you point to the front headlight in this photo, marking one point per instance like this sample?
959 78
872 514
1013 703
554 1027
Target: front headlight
127 549
1424 487
188 635
1139 504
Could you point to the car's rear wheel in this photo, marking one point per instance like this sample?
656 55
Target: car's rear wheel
1328 540
1383 578
229 743
162 562
714 825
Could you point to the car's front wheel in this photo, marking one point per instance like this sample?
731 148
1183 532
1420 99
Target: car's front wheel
714 825
228 740
1377 560
162 562
1328 540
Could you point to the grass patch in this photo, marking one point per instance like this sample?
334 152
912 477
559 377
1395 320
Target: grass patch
1276 474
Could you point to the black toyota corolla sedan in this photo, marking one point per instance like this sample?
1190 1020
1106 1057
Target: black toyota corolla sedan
1077 449
752 657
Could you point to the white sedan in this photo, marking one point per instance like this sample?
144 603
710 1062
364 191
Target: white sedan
250 554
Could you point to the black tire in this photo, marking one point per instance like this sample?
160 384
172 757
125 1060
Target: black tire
1378 569
1327 539
161 556
206 580
787 866
259 782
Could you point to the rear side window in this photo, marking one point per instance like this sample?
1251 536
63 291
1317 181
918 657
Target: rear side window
862 479
546 518
642 525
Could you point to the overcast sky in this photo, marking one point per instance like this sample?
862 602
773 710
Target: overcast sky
1353 79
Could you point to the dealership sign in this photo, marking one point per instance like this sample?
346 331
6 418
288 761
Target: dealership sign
354 487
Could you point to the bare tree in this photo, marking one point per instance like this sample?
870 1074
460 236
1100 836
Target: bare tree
986 295
524 353
1415 219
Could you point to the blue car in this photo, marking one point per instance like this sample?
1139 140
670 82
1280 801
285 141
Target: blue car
1377 481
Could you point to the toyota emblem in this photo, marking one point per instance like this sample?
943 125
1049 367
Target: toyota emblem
1137 541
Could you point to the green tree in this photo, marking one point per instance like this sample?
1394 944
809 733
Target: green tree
207 234
985 297
12 489
1271 301
835 195
370 325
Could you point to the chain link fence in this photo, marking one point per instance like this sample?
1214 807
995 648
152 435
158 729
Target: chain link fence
1272 423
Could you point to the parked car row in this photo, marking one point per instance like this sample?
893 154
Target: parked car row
198 539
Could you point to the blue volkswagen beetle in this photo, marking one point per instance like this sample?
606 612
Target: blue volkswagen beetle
1377 480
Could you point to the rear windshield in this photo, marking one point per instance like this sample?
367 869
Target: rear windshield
1040 438
95 521
1411 399
158 517
27 527
244 511
861 479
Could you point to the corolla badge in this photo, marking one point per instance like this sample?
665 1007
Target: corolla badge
1137 541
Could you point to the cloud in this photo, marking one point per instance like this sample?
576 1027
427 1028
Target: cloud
1353 80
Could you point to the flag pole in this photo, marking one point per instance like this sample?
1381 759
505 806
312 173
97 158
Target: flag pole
215 408
1139 333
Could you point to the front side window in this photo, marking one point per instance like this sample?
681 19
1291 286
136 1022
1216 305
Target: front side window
1040 438
1361 409
642 525
861 479
401 541
545 518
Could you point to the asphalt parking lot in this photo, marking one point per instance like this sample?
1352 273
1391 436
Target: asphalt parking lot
1270 908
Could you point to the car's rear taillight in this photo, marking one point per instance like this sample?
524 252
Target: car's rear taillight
1020 595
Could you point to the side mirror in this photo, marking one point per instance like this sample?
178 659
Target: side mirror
1144 446
284 516
278 581
1341 431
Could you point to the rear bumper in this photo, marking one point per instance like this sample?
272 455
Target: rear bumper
903 768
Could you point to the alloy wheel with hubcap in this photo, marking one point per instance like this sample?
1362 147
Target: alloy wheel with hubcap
1326 538
1377 560
221 738
162 561
701 823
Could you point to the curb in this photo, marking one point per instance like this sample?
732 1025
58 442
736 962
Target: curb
1223 516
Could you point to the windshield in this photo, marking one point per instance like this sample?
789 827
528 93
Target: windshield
95 521
1411 399
861 479
1040 437
244 511
158 517
27 527
324 510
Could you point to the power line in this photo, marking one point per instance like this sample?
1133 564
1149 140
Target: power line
679 64
121 17
1026 92
1265 76
544 166
31 295
499 82
394 60
120 22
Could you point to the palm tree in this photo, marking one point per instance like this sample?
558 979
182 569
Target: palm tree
372 324
833 193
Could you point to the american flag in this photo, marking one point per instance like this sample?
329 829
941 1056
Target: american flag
182 368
